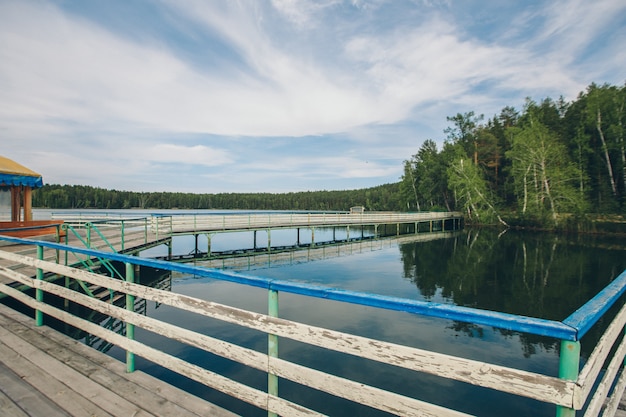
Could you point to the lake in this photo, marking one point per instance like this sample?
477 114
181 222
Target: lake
533 274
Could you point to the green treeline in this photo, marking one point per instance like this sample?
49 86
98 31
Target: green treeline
384 197
551 164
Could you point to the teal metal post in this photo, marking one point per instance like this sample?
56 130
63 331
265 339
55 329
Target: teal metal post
130 328
39 291
67 240
569 366
272 347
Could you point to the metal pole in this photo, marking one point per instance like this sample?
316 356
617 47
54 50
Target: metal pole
39 291
123 237
569 366
130 328
272 347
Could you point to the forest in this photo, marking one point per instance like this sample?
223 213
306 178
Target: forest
380 198
549 164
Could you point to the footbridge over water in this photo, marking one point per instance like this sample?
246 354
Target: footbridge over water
126 232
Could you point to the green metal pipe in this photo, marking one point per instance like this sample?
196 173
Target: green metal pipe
130 328
38 291
569 366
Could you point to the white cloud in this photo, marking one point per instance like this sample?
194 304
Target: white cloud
372 80
196 155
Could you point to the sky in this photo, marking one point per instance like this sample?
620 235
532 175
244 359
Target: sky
216 96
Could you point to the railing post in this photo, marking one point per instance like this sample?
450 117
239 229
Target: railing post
130 328
569 366
123 237
272 347
67 243
39 291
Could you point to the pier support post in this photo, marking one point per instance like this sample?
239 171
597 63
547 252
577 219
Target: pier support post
130 328
272 347
569 366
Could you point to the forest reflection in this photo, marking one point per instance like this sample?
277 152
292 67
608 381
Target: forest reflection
540 275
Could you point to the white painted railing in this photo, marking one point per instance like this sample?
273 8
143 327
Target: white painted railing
186 223
567 392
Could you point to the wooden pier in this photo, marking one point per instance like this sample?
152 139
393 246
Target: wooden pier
44 373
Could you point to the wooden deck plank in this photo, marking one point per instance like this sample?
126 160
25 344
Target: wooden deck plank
76 381
146 392
8 406
24 400
172 394
150 392
54 389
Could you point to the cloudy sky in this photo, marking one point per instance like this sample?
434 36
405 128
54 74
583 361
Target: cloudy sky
276 96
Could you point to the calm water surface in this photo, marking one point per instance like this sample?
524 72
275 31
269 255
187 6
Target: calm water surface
539 275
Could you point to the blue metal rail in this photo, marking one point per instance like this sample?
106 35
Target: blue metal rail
572 328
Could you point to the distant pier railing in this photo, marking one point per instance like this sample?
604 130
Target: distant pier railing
186 223
127 233
596 385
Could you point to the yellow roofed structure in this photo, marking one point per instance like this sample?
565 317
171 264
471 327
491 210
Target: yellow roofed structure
12 173
16 184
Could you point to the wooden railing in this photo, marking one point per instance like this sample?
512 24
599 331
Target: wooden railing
187 223
569 392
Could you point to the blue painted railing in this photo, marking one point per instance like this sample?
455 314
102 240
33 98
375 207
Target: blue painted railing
569 331
505 321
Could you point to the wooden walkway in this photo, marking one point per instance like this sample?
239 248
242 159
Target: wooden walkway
44 373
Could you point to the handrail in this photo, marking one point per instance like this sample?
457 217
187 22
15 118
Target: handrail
569 392
505 321
492 376
587 315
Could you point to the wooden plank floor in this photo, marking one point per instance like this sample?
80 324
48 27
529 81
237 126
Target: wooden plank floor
44 373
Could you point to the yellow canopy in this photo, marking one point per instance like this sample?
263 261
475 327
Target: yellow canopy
14 174
8 166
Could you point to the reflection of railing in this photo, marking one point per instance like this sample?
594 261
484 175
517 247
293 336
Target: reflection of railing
569 392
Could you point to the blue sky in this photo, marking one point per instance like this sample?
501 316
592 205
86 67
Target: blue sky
277 96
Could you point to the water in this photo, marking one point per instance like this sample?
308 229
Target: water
538 275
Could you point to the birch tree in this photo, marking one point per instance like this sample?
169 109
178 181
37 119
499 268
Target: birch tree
546 181
467 182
